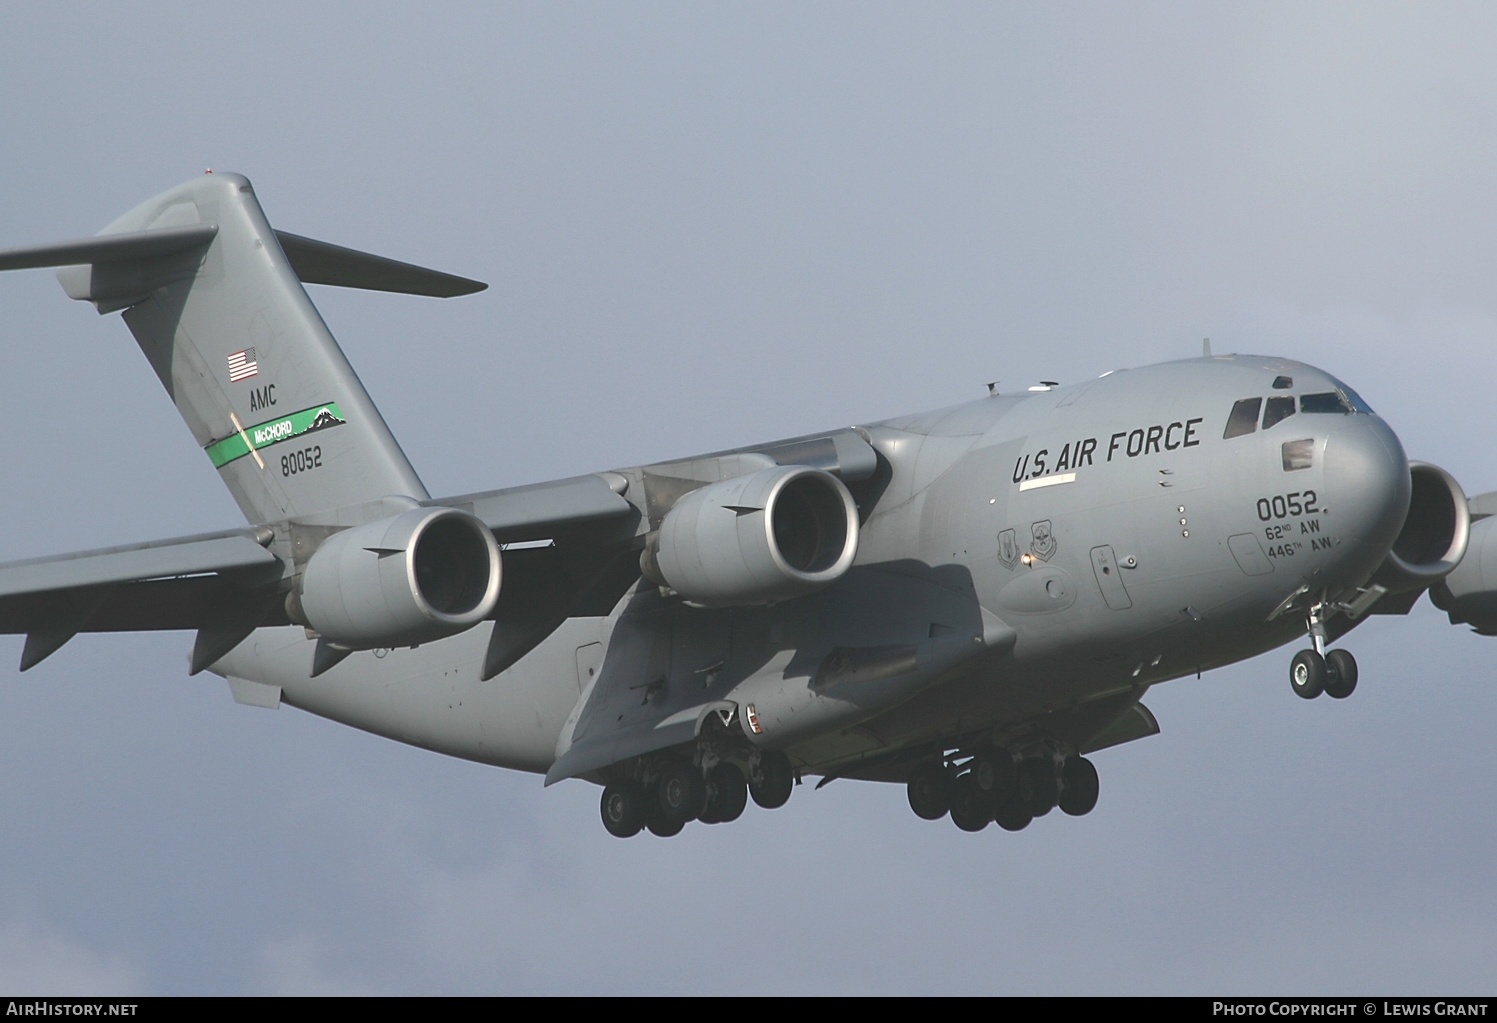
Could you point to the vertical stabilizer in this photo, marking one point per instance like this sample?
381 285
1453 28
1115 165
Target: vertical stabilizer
255 373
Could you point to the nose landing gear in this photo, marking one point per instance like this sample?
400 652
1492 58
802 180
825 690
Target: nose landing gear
1315 671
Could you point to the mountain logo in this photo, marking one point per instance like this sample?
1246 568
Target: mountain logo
325 418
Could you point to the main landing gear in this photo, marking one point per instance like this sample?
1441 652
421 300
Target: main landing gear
672 792
1317 670
996 787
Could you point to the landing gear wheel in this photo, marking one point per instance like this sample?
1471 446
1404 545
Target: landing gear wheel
1079 786
969 810
775 778
623 808
929 790
680 793
662 826
1307 674
1012 815
1044 787
727 794
1340 674
997 775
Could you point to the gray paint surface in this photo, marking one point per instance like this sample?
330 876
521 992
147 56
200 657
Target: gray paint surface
1028 195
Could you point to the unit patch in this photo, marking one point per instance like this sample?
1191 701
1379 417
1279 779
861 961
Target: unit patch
1044 540
1008 548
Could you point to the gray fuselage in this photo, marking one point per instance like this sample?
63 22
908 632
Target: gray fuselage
1022 561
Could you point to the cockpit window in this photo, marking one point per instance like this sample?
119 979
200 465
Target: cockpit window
1277 410
1355 401
1328 402
1244 418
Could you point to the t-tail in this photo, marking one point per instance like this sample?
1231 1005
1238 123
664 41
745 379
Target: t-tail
214 297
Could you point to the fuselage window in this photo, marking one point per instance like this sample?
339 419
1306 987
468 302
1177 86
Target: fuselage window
1328 402
1298 454
1277 410
1244 418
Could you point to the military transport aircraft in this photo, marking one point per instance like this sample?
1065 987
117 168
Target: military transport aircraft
968 601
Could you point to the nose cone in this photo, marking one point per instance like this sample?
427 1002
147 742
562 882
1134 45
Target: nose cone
1367 488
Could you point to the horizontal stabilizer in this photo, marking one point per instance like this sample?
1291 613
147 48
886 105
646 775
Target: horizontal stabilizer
314 262
110 248
318 262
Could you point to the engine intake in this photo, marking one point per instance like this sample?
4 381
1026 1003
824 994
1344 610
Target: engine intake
411 578
1435 532
756 539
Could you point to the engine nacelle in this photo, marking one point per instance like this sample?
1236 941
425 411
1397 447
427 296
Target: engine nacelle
1469 594
756 539
411 578
1435 532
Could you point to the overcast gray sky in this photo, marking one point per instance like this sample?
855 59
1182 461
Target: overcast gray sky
706 225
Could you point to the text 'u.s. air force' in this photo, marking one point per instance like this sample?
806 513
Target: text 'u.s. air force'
1144 440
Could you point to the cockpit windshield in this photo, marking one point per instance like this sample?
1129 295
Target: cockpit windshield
1330 401
1243 418
1276 410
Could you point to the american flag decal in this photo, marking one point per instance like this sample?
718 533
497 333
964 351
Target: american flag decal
242 365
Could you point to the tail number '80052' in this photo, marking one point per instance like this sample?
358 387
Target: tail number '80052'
1282 506
301 460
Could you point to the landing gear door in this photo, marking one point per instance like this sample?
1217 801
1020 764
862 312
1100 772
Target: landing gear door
1109 579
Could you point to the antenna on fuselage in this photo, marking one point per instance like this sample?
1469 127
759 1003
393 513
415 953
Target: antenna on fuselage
1205 348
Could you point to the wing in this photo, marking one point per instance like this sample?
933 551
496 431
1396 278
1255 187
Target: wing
222 585
225 585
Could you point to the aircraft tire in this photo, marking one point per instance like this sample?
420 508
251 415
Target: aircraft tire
997 775
969 811
662 826
1079 787
1307 674
680 792
1340 674
623 808
1044 787
727 794
776 778
1012 815
929 791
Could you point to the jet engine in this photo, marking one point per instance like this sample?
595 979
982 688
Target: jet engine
1469 594
756 539
1435 532
411 578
